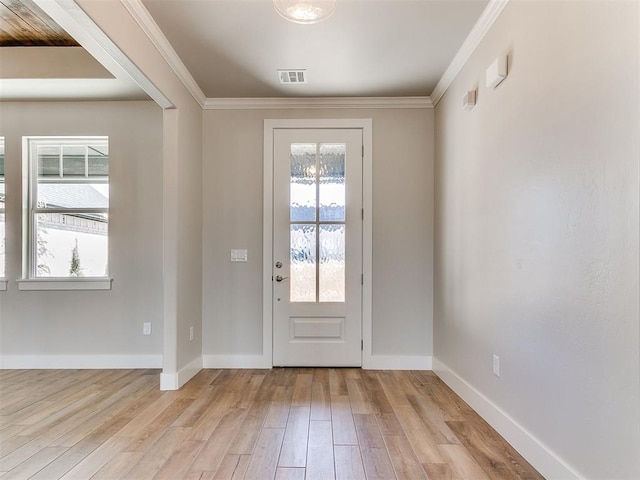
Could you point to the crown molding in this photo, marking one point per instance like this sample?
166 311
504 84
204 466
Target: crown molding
144 19
315 103
493 9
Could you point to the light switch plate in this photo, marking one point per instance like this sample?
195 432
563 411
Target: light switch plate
497 72
238 255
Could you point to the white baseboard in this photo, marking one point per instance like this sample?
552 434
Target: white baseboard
29 362
173 381
236 361
374 362
536 452
397 362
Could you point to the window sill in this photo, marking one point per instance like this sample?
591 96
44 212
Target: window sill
3 285
65 284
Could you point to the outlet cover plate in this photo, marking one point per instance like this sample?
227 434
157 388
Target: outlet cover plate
496 365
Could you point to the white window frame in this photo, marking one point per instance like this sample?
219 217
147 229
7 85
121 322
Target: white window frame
30 280
3 280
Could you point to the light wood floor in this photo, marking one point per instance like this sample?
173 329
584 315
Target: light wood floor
286 424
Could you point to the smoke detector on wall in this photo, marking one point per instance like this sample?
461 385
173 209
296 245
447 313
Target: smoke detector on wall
290 77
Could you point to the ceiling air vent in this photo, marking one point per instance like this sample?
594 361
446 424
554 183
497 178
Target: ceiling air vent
290 77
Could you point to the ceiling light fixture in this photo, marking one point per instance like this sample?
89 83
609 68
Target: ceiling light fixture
305 11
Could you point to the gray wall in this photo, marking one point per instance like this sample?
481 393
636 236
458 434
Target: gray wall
92 322
402 228
537 230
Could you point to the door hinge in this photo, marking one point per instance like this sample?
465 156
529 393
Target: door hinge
362 151
362 279
363 214
362 345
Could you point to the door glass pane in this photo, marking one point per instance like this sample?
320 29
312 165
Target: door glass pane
302 275
332 263
73 161
302 196
332 185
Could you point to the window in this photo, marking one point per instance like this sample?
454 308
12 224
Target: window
2 195
68 208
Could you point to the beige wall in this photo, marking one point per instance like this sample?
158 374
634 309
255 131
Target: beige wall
182 191
91 322
402 228
537 230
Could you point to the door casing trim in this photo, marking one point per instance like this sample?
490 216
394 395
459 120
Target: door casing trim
366 125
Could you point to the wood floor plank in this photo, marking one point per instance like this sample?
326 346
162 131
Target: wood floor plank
376 393
376 461
392 389
344 432
405 464
233 467
450 405
116 467
158 453
232 424
360 401
337 383
197 409
283 473
160 425
422 442
93 462
440 471
214 450
498 459
247 436
302 390
180 461
24 452
279 408
461 462
348 463
294 446
389 424
13 443
106 421
320 463
433 418
222 404
320 395
264 460
35 463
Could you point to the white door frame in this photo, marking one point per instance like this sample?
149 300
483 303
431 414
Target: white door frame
366 124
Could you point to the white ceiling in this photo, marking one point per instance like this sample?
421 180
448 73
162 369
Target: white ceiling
392 48
233 48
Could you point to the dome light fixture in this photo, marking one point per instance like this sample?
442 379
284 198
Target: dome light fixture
305 11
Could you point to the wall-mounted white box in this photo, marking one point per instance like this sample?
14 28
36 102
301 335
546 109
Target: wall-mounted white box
497 72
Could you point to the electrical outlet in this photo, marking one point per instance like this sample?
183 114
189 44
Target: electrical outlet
496 365
146 328
191 334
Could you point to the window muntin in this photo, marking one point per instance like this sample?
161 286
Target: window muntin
68 207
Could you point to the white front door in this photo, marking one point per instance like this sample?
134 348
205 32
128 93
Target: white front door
317 247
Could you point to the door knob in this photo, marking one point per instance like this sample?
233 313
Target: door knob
280 278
